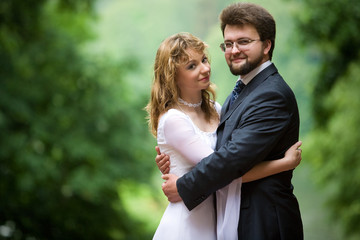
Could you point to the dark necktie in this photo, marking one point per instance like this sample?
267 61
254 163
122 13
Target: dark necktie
237 89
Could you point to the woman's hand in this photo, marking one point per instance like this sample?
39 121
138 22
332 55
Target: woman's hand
293 155
162 161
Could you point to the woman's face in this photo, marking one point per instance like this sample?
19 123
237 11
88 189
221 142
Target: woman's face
194 75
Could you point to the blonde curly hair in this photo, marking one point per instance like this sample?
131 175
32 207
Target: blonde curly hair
165 92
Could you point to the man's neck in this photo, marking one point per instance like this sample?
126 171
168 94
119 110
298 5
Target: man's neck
248 77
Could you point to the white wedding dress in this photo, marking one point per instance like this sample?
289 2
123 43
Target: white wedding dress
186 144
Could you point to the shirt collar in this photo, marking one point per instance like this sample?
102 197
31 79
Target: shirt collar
248 77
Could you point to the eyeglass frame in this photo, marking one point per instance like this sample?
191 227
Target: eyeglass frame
240 43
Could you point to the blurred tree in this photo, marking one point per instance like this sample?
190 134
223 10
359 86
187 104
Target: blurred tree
69 128
333 28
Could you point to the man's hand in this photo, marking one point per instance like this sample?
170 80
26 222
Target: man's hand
169 188
162 161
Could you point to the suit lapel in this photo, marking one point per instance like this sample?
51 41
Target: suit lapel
254 83
225 106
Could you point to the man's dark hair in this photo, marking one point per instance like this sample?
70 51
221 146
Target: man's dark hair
252 14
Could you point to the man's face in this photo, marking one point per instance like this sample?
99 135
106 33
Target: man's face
247 52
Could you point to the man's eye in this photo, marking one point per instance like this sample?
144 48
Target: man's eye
243 42
228 45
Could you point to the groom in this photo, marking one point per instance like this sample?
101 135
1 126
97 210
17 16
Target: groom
259 125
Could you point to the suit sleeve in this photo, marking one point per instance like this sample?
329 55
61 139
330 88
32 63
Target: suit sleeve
261 125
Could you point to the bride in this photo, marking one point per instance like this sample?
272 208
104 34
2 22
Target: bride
183 116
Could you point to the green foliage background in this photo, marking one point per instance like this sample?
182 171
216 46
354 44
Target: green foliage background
334 36
76 157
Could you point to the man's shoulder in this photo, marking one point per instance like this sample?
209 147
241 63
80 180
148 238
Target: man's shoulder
271 88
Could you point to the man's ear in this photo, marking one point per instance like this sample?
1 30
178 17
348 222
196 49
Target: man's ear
267 46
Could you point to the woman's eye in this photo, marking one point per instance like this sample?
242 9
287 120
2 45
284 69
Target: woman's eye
191 66
205 60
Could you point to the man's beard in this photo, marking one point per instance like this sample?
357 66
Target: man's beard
246 67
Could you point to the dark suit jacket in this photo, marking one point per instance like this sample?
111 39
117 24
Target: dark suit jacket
260 126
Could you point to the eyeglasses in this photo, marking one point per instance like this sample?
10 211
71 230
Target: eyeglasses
240 44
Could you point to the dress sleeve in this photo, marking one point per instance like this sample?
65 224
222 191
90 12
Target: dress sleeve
180 134
218 108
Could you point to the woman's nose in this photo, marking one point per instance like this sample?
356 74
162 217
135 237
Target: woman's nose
206 67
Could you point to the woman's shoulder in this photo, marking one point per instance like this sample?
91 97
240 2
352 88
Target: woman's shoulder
171 116
217 107
171 119
172 113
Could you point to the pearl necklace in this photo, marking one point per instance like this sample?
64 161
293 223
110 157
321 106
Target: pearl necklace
192 105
